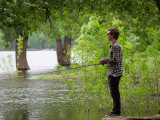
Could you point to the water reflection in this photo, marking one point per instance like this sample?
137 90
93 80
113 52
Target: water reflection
22 74
21 114
32 99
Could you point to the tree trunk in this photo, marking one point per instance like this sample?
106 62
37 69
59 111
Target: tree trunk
59 51
66 48
43 45
21 60
12 44
158 4
62 51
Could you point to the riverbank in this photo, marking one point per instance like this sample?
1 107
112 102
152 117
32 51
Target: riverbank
155 117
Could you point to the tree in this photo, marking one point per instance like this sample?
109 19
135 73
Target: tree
62 51
63 31
22 17
33 13
135 12
158 4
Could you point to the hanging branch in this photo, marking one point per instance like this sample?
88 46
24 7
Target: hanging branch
78 10
66 3
48 13
100 9
158 4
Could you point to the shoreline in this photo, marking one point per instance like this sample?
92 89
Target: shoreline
155 117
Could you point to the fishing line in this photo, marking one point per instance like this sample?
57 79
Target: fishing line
60 71
78 67
72 68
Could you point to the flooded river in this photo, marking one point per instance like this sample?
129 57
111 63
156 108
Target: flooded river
34 99
38 61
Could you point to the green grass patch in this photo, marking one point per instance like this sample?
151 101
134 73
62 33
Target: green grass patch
58 76
50 77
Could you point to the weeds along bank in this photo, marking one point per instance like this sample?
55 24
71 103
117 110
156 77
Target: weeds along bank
139 86
140 83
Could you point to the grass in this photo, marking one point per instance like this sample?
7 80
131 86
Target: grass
50 77
59 76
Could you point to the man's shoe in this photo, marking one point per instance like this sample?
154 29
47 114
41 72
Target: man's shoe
113 115
109 115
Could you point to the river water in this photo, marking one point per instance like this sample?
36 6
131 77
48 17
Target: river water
28 98
31 99
38 61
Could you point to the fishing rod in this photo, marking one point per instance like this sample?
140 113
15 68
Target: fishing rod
82 66
73 68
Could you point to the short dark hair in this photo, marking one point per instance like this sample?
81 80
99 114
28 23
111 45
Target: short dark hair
114 32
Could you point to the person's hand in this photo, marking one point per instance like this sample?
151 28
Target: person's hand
101 61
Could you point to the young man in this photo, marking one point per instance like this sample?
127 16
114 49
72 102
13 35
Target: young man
114 70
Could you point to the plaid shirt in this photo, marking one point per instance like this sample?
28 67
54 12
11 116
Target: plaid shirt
115 60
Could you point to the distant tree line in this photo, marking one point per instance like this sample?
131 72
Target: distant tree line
39 40
36 41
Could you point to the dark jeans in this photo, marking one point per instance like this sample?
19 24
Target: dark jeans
114 89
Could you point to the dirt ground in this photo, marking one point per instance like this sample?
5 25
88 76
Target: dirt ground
155 117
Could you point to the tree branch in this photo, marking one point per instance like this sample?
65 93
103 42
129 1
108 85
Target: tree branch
66 3
158 4
78 10
48 13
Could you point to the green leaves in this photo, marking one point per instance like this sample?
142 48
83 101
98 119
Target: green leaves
139 66
19 46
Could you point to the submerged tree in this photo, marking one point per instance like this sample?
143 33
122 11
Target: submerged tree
63 56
